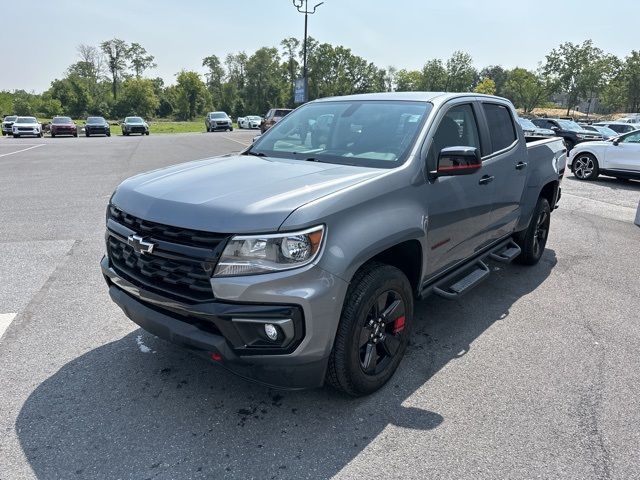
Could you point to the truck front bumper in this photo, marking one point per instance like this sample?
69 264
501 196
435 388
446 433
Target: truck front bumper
227 332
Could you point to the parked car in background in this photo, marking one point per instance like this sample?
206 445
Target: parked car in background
63 126
570 131
7 123
134 125
619 157
294 263
218 121
97 126
272 117
531 130
606 132
252 121
619 127
26 126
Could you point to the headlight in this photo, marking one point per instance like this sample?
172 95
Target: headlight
580 135
254 254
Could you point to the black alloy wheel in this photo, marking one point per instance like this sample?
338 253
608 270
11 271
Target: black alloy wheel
380 333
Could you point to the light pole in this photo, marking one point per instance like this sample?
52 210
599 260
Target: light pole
303 7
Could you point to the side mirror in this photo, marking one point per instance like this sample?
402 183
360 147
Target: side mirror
554 128
458 161
616 142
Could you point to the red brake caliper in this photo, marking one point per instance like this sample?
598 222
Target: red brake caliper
398 325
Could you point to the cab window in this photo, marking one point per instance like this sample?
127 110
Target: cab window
458 128
500 123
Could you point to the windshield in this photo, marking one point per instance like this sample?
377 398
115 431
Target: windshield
95 120
26 120
364 133
219 115
569 125
606 131
59 120
526 123
133 120
11 118
281 113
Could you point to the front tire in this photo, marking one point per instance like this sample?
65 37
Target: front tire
231 129
585 167
373 332
533 240
15 135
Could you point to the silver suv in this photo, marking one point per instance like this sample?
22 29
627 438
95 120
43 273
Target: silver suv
218 121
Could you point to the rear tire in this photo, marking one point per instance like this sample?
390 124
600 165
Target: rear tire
585 167
373 332
53 135
231 129
533 240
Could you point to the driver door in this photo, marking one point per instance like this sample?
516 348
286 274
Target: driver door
625 155
459 207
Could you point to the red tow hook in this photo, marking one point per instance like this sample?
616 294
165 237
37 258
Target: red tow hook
216 357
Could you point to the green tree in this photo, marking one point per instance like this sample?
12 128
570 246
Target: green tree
461 75
215 76
139 59
499 76
192 96
116 51
575 69
265 82
290 46
408 80
525 89
138 98
631 79
434 76
486 86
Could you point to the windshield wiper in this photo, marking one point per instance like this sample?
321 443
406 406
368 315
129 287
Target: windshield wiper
255 154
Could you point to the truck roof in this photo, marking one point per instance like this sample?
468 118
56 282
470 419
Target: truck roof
408 96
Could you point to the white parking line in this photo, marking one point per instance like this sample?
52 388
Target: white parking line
5 321
241 143
23 150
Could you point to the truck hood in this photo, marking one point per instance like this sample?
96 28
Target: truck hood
233 194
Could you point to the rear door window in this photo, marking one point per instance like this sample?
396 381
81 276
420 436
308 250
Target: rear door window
500 123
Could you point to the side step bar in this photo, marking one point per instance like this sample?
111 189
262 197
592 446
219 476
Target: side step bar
464 284
456 283
505 255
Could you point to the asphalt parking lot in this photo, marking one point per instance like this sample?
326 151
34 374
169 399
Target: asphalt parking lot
535 375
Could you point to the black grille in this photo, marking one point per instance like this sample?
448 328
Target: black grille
170 270
179 278
168 233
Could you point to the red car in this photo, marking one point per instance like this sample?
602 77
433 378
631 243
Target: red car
63 126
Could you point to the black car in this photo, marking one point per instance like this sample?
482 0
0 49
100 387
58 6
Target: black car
97 126
619 127
570 131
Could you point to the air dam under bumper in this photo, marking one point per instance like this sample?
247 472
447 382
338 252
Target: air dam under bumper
158 316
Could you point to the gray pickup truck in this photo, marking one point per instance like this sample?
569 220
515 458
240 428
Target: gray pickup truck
298 261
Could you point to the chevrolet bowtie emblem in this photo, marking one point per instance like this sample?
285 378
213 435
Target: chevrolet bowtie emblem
139 244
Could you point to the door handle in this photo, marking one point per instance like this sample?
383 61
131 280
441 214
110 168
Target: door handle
521 165
486 179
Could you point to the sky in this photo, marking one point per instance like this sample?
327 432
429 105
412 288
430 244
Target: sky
402 33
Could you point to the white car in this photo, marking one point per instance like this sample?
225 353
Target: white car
26 126
252 121
618 157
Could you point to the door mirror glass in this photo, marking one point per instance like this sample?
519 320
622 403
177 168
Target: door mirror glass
458 161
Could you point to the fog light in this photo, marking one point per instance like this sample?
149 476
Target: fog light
271 331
